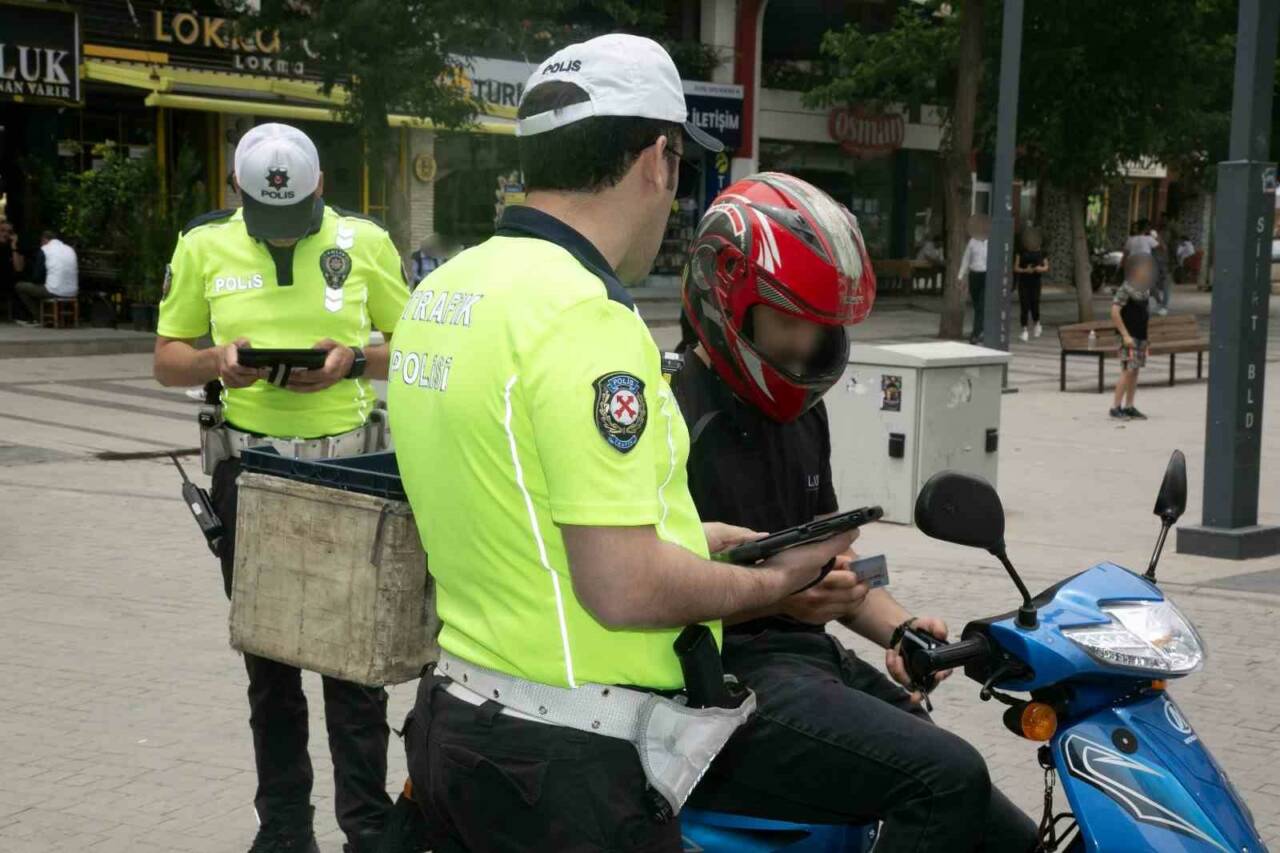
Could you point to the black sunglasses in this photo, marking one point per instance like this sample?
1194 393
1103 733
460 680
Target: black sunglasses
688 168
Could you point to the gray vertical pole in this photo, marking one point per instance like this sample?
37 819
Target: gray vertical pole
1241 294
996 317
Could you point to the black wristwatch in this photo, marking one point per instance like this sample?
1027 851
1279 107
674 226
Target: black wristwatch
896 637
357 364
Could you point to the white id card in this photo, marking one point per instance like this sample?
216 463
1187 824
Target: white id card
874 571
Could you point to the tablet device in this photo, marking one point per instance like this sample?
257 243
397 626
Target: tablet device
294 359
749 553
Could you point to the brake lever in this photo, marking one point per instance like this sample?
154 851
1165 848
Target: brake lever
924 693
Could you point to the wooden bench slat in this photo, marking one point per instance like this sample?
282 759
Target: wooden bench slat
1171 335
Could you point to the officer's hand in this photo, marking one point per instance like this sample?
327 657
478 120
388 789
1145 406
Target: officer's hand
336 367
893 657
800 566
836 596
722 537
230 371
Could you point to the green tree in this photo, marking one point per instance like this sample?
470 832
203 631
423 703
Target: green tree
404 57
926 58
118 209
1104 84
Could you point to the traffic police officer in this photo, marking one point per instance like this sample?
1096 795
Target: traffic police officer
288 271
544 457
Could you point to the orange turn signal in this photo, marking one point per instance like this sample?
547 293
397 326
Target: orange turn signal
1159 684
1039 721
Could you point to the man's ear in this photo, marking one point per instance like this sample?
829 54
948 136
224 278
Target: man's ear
319 186
659 170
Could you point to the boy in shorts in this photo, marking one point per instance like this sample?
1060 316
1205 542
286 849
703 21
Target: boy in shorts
1130 312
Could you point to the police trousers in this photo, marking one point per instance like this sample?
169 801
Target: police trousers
834 741
492 782
355 716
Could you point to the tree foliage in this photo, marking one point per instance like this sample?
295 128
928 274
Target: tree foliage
404 56
912 63
1104 84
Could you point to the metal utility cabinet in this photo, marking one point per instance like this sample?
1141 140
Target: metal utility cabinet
902 413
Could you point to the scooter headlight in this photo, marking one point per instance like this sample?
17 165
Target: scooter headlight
1147 635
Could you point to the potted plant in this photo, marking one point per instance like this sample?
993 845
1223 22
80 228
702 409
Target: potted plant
118 220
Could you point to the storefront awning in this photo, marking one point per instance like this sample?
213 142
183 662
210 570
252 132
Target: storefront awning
212 91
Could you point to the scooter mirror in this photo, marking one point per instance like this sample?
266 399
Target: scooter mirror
1172 500
961 508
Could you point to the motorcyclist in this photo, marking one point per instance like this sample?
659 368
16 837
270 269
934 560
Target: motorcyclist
777 273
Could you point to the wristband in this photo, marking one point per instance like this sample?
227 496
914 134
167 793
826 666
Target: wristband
896 637
357 364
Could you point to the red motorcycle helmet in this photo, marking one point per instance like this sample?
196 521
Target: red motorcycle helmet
773 239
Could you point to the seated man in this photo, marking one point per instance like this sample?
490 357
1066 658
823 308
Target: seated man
776 273
53 274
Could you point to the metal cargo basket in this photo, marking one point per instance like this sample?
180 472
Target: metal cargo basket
330 575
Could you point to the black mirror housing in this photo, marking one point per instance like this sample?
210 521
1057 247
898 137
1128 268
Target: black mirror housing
1171 502
961 508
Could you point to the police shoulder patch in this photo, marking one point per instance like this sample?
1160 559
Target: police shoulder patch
620 410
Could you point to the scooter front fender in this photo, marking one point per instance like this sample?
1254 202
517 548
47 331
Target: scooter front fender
1138 778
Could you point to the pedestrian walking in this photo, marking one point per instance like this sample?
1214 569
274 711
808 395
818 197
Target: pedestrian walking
1029 265
973 270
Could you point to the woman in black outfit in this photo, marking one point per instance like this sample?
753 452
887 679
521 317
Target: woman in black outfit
1029 265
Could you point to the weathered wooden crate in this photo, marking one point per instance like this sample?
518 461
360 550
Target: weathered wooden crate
331 581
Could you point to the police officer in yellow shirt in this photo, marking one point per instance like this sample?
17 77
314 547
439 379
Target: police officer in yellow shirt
288 271
544 457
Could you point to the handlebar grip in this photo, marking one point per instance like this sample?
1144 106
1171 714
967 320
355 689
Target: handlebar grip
924 655
955 654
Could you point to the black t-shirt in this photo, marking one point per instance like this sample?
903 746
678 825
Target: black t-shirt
749 470
1027 260
1134 310
8 275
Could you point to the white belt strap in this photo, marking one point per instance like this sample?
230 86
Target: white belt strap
676 744
351 443
604 710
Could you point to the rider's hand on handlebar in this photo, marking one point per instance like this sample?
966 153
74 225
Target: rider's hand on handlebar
800 566
893 657
722 537
837 596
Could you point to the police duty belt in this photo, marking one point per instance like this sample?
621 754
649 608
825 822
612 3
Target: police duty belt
676 743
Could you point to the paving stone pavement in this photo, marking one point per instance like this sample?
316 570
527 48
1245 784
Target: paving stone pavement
123 720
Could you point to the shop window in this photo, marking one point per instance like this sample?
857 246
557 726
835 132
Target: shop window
467 184
866 187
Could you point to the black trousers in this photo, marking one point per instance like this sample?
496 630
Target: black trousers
835 741
978 293
355 716
1029 299
492 782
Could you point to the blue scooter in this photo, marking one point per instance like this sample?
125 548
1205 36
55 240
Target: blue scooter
1094 653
